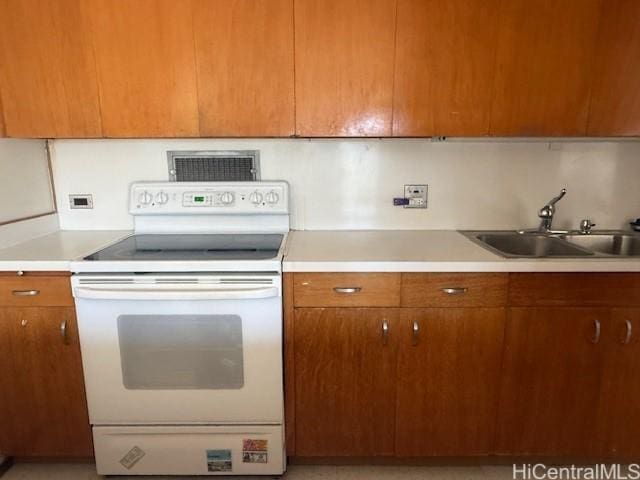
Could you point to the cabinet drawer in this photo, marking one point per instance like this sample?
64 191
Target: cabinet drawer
454 289
35 291
574 289
347 289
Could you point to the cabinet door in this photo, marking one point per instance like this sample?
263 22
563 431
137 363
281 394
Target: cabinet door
43 403
245 67
146 67
49 86
344 67
615 96
444 67
543 67
345 366
619 410
448 379
551 381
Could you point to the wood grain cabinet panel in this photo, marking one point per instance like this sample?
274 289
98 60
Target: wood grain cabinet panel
344 55
615 97
245 67
454 289
146 67
448 380
444 67
347 289
544 67
551 376
345 385
618 412
43 404
35 291
2 129
574 289
48 83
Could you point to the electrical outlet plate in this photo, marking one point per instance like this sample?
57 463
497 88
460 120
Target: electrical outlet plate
84 201
417 195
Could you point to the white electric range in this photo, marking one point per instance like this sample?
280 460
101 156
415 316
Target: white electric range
181 332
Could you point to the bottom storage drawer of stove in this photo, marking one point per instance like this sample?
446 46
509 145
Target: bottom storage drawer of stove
189 450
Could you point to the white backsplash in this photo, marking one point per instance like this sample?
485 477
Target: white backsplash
350 184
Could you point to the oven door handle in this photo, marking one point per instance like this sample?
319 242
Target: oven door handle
175 294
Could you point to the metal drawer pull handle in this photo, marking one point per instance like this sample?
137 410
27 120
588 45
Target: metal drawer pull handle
416 333
455 290
63 332
627 337
385 332
596 336
347 289
26 293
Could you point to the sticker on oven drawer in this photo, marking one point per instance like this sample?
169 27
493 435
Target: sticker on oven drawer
219 461
132 457
254 450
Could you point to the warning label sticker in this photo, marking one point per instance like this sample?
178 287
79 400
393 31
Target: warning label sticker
219 461
254 450
132 457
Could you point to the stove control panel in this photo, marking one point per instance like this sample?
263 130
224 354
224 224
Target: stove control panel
178 198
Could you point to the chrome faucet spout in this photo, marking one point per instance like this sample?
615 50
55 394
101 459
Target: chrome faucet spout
547 212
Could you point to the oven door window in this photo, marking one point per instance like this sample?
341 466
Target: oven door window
160 352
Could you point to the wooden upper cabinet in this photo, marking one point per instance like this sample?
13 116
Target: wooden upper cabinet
444 68
615 97
245 67
48 81
344 53
543 67
146 67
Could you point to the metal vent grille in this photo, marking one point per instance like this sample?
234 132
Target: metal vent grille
213 166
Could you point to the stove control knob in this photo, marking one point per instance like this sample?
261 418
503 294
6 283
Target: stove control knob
227 198
162 198
255 198
272 197
145 198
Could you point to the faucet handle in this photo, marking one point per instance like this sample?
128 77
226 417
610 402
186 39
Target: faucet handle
586 225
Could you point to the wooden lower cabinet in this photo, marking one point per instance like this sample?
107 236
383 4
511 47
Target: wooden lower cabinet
618 413
361 392
42 400
345 368
552 370
447 381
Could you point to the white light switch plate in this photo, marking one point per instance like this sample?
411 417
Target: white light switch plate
417 195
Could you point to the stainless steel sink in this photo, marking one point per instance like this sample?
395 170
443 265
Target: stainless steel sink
602 244
618 244
528 245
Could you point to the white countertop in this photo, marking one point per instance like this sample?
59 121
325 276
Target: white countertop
421 251
330 251
55 251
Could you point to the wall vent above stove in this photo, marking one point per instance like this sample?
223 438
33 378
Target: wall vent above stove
214 165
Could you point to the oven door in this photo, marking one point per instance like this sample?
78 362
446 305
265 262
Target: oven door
181 349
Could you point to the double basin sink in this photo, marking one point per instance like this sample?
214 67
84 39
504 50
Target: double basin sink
512 244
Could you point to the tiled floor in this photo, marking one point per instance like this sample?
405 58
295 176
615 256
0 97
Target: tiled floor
31 471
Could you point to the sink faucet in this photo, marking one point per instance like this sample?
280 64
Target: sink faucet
546 216
546 213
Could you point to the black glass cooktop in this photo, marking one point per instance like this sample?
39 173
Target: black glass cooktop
192 247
